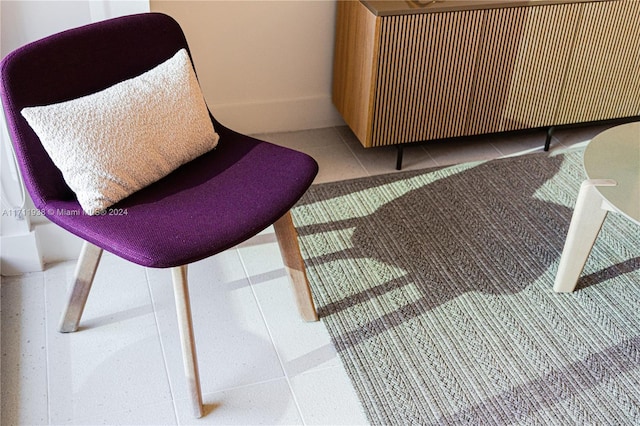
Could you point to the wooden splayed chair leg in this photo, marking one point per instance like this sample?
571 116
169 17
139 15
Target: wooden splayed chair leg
83 278
288 242
187 339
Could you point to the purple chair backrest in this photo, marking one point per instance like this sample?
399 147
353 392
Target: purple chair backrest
71 64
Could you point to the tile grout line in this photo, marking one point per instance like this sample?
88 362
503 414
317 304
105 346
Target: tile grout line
431 157
162 346
353 154
46 345
273 343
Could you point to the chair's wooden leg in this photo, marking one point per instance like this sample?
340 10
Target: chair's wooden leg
83 278
187 340
288 241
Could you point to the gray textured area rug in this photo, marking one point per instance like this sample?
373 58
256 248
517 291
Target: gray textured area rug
436 287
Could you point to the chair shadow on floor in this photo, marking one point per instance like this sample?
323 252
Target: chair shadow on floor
480 230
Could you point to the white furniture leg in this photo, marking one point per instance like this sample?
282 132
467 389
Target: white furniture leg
187 340
83 278
288 242
587 219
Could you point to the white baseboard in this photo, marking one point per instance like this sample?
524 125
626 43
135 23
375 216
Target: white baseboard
30 252
57 244
278 116
20 254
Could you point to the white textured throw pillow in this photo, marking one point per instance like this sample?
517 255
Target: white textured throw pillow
112 143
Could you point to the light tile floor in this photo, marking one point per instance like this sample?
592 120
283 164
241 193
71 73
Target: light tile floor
259 363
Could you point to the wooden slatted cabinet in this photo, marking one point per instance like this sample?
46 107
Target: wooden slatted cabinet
407 71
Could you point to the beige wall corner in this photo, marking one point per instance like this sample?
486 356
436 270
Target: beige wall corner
264 66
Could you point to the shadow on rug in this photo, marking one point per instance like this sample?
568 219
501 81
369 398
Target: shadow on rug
436 287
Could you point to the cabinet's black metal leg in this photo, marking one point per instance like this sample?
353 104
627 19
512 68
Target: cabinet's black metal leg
547 143
399 157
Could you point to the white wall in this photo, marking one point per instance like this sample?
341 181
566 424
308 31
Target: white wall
28 241
264 66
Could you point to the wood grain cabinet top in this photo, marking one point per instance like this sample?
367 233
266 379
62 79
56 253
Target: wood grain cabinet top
407 7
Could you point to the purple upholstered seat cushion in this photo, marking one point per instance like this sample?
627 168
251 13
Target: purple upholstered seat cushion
205 207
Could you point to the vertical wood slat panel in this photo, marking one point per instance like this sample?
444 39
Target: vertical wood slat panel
603 74
464 73
501 37
540 66
385 71
420 56
439 75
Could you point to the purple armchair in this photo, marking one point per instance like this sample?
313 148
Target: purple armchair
204 207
